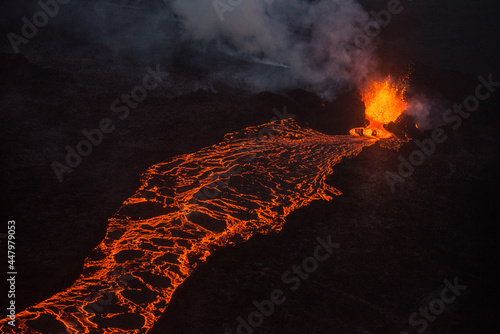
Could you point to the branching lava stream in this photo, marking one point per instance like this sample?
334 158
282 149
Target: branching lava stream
186 208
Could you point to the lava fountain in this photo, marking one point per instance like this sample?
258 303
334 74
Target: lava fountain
385 102
192 204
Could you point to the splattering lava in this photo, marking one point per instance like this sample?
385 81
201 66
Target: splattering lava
385 102
185 209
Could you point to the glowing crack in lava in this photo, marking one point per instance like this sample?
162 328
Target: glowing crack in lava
184 209
384 102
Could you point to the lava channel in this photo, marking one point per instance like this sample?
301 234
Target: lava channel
186 208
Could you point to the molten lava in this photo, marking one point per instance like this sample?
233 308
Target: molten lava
185 209
384 100
193 204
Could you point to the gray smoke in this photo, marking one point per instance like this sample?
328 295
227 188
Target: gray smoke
308 38
427 112
265 44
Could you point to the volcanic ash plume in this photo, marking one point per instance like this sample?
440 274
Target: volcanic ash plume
308 37
264 44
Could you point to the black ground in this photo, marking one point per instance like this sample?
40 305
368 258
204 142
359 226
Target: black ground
396 248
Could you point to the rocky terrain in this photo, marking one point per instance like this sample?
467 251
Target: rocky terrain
396 250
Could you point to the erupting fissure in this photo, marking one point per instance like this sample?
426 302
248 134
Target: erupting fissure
385 102
185 209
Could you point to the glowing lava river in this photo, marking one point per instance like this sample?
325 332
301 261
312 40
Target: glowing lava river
186 208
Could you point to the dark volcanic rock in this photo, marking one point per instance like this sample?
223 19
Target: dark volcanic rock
128 254
125 321
207 222
144 210
47 324
152 279
342 114
404 127
18 73
141 296
347 111
396 248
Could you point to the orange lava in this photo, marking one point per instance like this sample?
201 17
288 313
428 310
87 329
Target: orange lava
185 209
384 100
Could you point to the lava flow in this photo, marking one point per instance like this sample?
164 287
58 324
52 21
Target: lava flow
186 208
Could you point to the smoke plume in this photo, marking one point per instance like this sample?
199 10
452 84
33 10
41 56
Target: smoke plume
427 112
306 39
265 44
